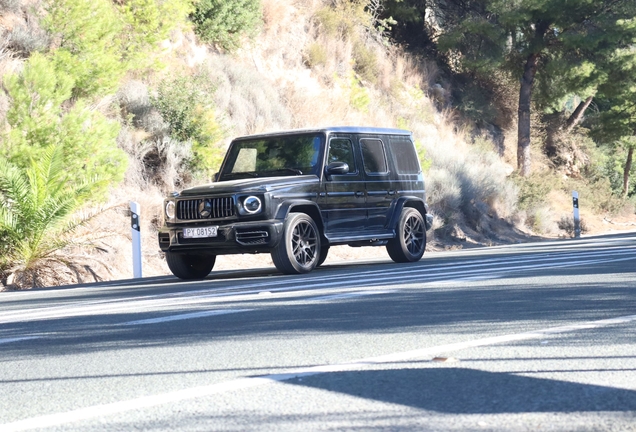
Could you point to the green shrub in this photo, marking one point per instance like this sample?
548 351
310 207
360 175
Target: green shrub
185 105
224 22
87 138
316 55
534 189
146 23
90 48
358 95
343 17
365 63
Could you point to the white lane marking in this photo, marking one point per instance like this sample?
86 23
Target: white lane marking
96 411
349 295
18 339
185 316
158 301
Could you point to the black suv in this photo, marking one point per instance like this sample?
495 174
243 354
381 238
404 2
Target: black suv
294 194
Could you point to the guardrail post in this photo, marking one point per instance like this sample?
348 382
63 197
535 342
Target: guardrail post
577 217
136 238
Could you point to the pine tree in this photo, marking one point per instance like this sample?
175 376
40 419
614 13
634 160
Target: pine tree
552 41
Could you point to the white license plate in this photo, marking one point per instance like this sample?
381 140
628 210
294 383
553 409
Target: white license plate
201 232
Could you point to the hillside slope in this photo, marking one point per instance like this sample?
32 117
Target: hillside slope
314 63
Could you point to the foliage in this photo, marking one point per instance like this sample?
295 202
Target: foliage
342 18
146 23
224 22
358 95
87 139
36 204
365 63
185 104
98 41
564 45
90 48
534 189
316 55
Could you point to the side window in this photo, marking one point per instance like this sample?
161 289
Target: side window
405 156
373 156
341 150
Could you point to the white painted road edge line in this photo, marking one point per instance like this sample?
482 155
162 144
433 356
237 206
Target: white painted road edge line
18 339
86 413
184 316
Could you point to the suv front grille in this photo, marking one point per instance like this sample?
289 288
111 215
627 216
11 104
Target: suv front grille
221 208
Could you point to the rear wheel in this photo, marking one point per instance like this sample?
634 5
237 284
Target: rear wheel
299 249
410 241
189 265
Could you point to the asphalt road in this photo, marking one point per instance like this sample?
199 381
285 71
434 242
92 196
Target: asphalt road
537 336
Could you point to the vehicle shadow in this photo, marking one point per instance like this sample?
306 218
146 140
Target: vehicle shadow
454 390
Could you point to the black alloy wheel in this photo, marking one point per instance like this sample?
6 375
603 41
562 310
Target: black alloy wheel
410 241
299 249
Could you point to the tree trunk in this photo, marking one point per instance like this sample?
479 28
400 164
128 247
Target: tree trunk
577 115
628 168
523 130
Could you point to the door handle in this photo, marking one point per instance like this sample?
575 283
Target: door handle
359 194
392 192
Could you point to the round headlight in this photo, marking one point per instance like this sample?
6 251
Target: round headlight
170 209
252 204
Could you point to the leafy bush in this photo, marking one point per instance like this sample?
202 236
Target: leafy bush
316 55
146 23
534 189
343 17
185 105
223 22
358 95
90 47
365 63
38 121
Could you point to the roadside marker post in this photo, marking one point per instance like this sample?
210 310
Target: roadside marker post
577 217
136 238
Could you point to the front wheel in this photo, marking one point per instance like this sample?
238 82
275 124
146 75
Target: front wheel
299 249
189 265
410 240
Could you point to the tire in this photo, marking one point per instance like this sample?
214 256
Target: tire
190 266
410 240
324 250
299 249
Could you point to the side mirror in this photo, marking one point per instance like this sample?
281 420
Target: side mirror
337 168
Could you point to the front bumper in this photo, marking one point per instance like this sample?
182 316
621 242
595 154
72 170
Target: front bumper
239 237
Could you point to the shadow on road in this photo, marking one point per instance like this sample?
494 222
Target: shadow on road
469 391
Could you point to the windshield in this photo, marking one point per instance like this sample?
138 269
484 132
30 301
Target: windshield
274 156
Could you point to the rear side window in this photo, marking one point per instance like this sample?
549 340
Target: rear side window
405 156
374 156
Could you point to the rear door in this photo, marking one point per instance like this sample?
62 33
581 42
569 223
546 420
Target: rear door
377 176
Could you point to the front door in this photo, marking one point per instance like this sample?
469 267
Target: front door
344 194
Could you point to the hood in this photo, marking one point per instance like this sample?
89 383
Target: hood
251 185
